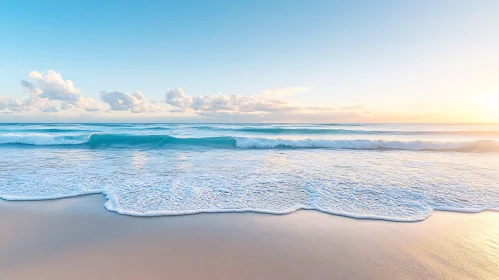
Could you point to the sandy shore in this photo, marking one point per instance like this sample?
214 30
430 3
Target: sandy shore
77 238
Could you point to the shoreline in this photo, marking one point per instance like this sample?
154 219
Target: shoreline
243 211
73 238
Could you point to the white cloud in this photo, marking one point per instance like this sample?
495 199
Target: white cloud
122 101
48 93
51 85
223 103
12 105
257 108
85 103
177 98
49 89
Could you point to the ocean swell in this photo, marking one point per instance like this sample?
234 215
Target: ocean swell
341 131
97 140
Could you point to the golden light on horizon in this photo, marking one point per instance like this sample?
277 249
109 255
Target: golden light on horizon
485 107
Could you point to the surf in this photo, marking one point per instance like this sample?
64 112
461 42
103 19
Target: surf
106 140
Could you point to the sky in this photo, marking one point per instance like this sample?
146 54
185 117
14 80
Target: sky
249 61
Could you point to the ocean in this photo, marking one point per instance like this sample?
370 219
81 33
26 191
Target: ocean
394 172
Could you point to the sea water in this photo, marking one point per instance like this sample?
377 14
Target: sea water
378 171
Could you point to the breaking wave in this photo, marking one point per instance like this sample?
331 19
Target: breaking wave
227 142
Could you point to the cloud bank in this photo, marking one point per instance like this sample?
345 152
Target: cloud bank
48 93
235 104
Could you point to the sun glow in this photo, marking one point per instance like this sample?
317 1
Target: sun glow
486 107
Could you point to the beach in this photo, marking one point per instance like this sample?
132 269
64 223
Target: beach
77 238
249 140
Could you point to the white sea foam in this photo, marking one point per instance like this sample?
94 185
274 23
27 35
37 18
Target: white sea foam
348 144
397 186
43 139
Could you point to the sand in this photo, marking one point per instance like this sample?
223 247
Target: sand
76 238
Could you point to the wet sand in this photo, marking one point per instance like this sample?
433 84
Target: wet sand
76 238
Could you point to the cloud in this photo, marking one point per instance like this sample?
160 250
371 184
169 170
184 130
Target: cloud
223 103
280 92
49 94
50 109
10 104
122 101
49 87
258 108
29 86
177 98
85 103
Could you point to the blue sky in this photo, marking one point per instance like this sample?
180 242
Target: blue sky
350 60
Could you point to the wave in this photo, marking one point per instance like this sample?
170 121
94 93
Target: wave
52 130
479 146
114 140
315 130
332 129
227 142
289 130
40 139
303 131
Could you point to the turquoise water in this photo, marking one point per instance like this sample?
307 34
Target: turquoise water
377 171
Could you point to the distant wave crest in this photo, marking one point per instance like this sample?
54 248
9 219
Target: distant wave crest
164 141
334 131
